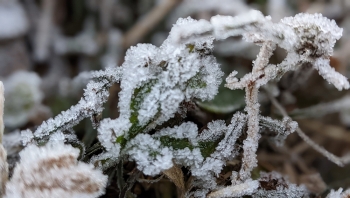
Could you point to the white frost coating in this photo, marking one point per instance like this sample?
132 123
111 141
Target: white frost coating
226 26
136 69
206 168
53 171
188 29
149 107
329 74
108 138
215 129
335 194
95 96
246 188
339 193
323 31
280 187
187 157
148 154
170 101
192 7
22 95
185 130
226 147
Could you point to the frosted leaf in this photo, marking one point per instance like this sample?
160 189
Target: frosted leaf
215 129
335 194
226 26
329 74
149 106
149 155
226 147
155 81
281 128
246 188
185 130
193 7
95 95
274 185
110 130
186 30
188 157
23 95
206 154
317 34
53 171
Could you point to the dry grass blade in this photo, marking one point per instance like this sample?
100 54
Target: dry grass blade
176 176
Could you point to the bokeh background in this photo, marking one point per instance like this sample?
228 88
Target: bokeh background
48 47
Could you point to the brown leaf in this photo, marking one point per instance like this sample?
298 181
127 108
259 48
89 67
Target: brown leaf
176 176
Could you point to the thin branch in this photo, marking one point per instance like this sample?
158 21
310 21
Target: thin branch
147 23
340 161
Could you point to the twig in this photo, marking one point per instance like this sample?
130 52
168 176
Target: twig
148 22
43 35
249 160
340 161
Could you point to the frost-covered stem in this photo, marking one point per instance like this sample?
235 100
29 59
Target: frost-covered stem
96 94
264 55
340 161
251 143
249 160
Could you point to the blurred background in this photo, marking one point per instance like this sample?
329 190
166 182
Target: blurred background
48 47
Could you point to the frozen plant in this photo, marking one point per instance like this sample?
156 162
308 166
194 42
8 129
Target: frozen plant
158 84
23 96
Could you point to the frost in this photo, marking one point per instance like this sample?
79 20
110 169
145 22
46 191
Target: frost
53 171
226 26
274 185
283 128
246 188
151 159
339 193
90 105
329 74
188 29
155 81
156 84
